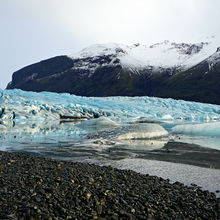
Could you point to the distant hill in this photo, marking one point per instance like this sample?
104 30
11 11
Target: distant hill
175 70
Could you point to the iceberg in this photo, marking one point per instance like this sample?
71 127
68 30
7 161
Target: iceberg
201 129
143 145
135 136
142 131
210 142
131 132
98 124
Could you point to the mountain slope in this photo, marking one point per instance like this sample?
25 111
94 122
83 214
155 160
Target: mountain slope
166 69
199 83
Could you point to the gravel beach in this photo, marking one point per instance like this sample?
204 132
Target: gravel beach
40 188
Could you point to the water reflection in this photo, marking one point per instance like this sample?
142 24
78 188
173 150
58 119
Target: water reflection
39 132
67 141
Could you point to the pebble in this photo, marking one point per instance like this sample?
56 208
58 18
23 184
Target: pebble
40 188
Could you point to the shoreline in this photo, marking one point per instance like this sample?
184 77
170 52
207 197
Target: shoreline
206 178
41 188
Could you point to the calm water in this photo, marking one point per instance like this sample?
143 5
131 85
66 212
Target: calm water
179 158
68 141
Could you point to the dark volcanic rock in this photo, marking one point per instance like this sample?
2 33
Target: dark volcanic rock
38 188
27 77
107 80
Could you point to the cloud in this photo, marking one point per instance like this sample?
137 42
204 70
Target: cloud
125 21
34 30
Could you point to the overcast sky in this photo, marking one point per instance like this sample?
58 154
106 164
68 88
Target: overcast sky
33 30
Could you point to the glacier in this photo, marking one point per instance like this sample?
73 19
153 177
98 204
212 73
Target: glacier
20 106
170 138
52 118
163 137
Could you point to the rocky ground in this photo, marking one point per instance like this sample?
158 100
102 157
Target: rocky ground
40 188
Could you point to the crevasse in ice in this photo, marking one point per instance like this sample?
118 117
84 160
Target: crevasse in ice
20 105
23 116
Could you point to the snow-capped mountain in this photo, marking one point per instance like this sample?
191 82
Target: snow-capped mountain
117 69
213 59
160 56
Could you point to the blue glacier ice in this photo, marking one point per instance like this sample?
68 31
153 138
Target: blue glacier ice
30 117
124 132
20 105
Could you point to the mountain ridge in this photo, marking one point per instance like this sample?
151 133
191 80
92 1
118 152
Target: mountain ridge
163 70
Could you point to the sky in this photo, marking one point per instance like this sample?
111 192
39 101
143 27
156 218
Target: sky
34 30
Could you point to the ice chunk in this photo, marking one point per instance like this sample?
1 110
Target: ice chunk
205 141
133 137
131 132
144 131
143 145
204 129
98 123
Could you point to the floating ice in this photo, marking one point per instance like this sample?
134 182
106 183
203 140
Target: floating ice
98 123
202 141
143 145
23 115
131 132
139 136
204 129
144 131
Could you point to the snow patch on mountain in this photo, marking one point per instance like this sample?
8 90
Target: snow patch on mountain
163 55
157 57
101 50
214 59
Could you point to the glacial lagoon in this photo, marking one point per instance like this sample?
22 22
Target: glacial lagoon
173 139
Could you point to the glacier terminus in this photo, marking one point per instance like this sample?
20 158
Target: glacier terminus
145 134
40 114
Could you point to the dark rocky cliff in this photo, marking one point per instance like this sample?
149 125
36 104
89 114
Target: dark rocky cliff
63 74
